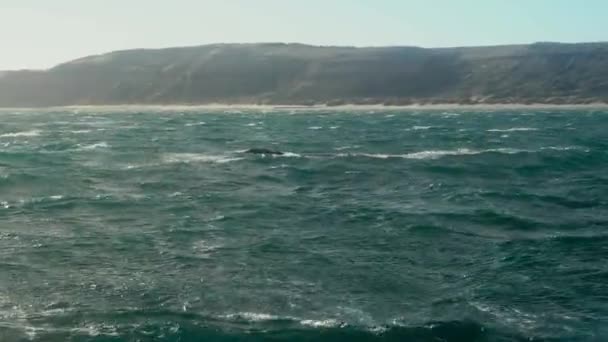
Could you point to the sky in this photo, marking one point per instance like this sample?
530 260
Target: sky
37 34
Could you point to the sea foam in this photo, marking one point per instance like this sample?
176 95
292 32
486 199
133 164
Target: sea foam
32 133
172 158
514 129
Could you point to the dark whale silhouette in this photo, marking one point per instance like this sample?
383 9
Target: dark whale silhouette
263 151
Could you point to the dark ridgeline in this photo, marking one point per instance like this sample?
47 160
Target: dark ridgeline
302 74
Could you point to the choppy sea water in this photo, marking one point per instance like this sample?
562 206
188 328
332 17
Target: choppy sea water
373 226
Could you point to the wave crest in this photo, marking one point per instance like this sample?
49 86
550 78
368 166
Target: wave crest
173 158
432 154
514 129
94 146
436 154
32 133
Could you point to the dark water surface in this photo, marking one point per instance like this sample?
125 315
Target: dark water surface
376 226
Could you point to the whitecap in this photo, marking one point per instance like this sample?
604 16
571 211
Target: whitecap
195 124
421 128
94 146
95 330
509 315
460 152
172 158
36 200
327 323
32 133
514 129
341 148
290 155
216 218
284 154
55 311
81 131
132 166
433 154
203 248
32 332
370 155
252 316
565 148
315 128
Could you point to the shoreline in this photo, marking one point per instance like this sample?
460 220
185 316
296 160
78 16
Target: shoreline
320 107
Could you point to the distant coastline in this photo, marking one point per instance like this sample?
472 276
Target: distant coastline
319 107
288 75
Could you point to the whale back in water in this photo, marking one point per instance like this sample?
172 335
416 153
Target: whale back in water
263 151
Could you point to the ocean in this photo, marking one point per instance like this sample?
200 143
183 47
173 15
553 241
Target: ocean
373 225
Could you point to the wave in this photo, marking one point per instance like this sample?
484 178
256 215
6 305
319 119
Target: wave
420 128
94 146
184 158
59 322
285 154
431 154
172 158
42 199
291 323
81 131
48 333
435 154
326 323
422 155
184 330
565 148
290 155
253 317
442 153
515 317
346 147
204 249
34 201
195 124
514 129
32 133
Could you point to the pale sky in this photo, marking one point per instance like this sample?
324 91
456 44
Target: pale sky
43 33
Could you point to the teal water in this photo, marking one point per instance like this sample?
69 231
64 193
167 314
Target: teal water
375 226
